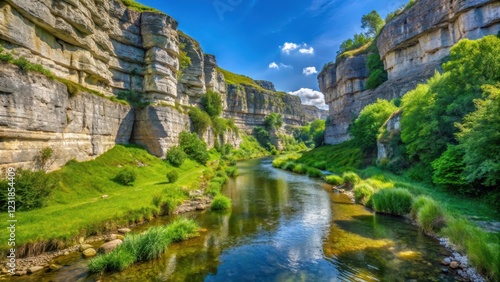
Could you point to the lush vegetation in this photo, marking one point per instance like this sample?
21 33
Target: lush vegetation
172 176
312 134
377 72
450 124
134 5
200 120
220 202
238 79
212 103
176 156
362 42
143 247
366 127
194 147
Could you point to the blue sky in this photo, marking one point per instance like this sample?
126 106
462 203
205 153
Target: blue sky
286 42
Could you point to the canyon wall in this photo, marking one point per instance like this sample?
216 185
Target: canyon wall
412 46
110 50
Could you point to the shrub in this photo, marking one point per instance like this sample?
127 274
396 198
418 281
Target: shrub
126 176
6 58
431 217
273 120
221 202
176 156
213 189
363 194
194 147
334 179
212 103
314 172
135 98
300 169
200 120
32 190
172 176
351 178
393 201
232 171
220 179
289 166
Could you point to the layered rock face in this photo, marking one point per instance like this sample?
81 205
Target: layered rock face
412 46
106 47
36 113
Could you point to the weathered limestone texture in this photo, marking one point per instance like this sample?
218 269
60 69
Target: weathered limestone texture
412 46
36 113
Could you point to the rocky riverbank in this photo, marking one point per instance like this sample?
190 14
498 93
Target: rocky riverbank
91 246
457 262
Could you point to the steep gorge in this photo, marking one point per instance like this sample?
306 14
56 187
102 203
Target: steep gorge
106 47
412 46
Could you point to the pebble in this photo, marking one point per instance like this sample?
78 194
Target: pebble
124 230
104 196
34 269
85 246
454 264
89 253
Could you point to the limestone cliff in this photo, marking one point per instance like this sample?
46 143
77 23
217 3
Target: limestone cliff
412 46
108 48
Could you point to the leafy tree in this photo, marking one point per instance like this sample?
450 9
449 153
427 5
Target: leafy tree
200 120
479 137
273 120
194 147
176 156
373 22
365 128
449 169
350 44
262 136
212 103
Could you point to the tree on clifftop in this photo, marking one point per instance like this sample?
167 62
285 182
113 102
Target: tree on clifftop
373 22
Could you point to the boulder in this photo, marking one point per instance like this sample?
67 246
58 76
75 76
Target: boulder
34 269
124 230
89 253
83 247
454 264
109 246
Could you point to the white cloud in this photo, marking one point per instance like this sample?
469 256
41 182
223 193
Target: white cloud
308 51
309 71
273 65
311 97
289 47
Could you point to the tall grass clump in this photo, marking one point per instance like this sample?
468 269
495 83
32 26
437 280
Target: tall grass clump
143 247
431 217
213 189
393 201
232 171
314 172
220 203
351 178
363 194
418 203
300 169
334 179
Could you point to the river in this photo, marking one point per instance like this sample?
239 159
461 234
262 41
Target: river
283 227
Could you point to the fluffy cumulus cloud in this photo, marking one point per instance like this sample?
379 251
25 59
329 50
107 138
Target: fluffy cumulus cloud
290 48
311 97
275 66
309 71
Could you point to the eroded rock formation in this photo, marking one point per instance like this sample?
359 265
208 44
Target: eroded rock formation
412 46
106 47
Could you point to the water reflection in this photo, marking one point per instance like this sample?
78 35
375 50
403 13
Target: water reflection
284 227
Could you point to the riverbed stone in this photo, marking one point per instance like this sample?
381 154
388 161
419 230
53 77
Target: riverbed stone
34 269
112 237
89 253
21 273
454 264
109 246
54 266
124 230
84 247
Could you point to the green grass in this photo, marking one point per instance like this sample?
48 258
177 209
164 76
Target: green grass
431 217
314 172
136 6
334 179
339 158
75 208
396 201
238 79
220 203
351 177
143 247
249 149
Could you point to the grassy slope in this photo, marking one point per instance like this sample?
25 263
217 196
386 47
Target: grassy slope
76 208
238 79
